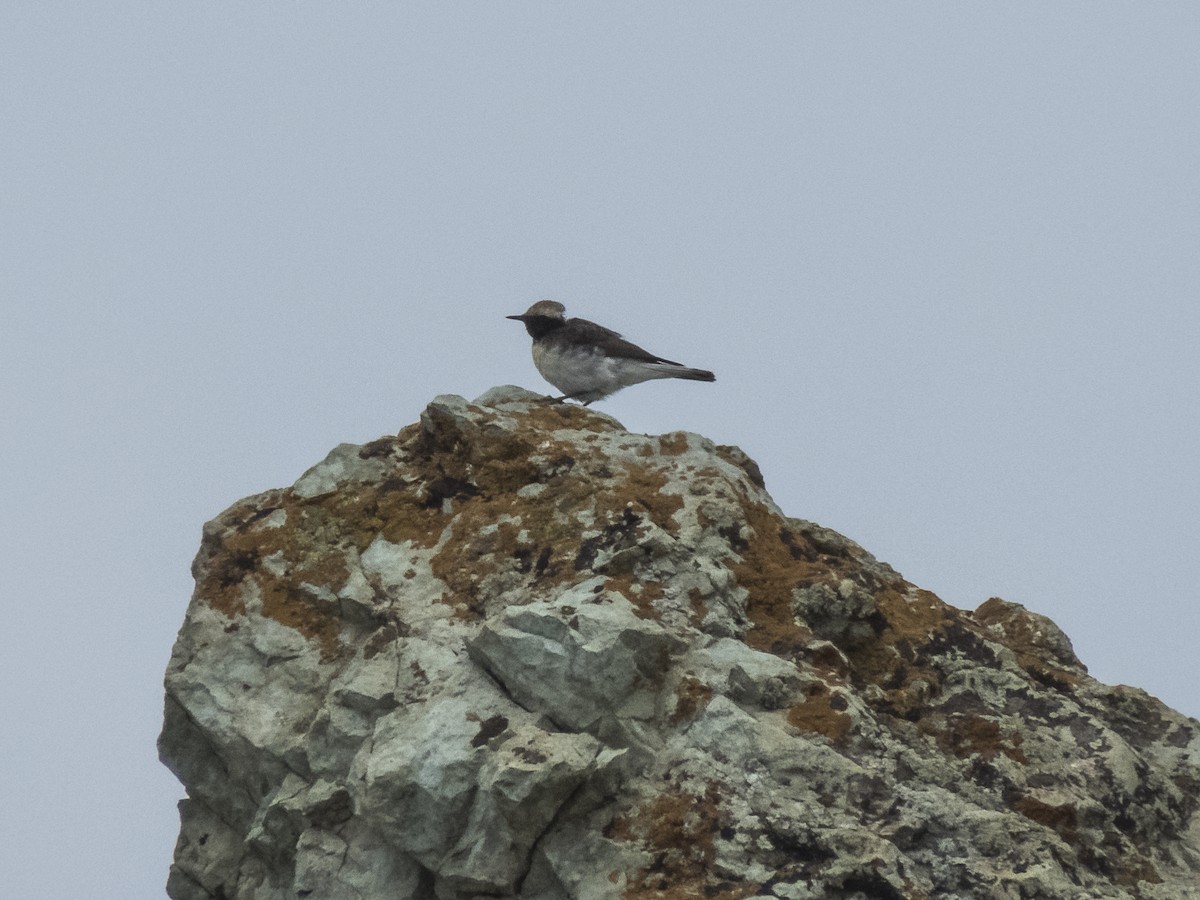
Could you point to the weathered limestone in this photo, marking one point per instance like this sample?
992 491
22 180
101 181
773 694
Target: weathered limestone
516 651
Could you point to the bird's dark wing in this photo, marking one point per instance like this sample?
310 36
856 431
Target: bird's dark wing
613 343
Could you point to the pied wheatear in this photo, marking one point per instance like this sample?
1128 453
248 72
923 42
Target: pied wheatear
586 361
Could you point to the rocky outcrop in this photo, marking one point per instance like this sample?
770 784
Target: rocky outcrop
517 651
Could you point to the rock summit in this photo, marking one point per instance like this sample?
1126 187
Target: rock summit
517 651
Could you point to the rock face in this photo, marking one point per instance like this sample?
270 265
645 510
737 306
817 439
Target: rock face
517 651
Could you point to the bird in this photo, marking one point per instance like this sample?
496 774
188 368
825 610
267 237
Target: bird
589 362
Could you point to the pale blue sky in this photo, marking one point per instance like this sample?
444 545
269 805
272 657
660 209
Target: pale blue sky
943 258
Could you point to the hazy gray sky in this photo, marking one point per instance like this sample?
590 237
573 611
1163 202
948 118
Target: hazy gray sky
943 258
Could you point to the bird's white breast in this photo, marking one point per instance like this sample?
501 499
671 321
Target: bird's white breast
575 371
588 373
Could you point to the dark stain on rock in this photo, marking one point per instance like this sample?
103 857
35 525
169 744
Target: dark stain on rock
619 534
488 729
332 811
733 536
447 487
871 884
796 549
543 562
530 755
382 637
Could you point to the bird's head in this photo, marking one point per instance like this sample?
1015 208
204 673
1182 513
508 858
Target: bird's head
543 309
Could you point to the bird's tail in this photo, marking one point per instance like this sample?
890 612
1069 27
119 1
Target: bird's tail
693 374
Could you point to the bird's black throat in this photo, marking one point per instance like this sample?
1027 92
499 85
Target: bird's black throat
540 326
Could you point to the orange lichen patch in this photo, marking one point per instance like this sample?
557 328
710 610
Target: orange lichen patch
737 457
469 460
679 829
221 588
965 735
643 486
1019 630
1134 868
910 627
774 562
315 535
1062 817
827 660
496 531
912 614
1132 864
488 549
448 470
641 594
301 552
388 444
549 416
290 603
673 444
391 511
499 531
894 635
295 608
823 712
479 475
691 697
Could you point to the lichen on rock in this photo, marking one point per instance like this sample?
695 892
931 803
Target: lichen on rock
516 651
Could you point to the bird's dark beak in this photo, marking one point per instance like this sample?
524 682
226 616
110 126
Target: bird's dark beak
518 318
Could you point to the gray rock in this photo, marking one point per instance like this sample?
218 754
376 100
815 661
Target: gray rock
517 651
577 664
